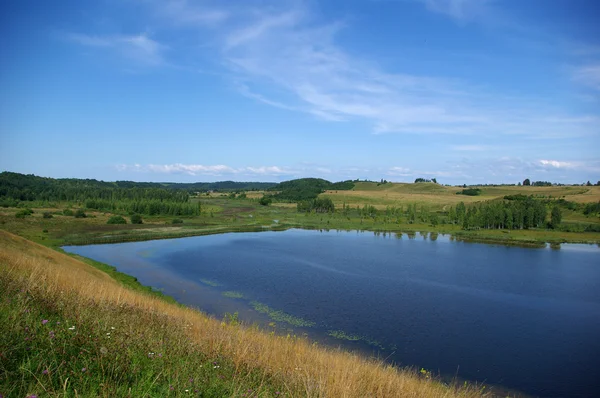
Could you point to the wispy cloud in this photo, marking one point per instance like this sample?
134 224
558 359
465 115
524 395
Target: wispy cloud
451 172
588 75
290 51
590 166
139 48
183 12
207 170
461 10
284 48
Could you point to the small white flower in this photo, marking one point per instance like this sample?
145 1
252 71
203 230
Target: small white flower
72 328
112 327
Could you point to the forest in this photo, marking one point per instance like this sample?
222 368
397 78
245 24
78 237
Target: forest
307 189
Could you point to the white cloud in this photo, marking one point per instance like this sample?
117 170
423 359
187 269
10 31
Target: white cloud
592 166
210 170
588 75
557 164
283 48
288 52
399 171
458 9
139 48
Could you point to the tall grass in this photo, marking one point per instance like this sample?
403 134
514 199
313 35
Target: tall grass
68 329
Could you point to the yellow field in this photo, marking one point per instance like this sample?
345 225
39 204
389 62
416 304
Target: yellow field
438 197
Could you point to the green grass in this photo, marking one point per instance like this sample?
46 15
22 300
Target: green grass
126 280
51 345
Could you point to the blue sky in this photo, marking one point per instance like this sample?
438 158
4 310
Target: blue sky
467 91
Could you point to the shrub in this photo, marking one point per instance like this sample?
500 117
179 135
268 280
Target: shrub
265 200
470 192
80 214
7 202
116 220
136 219
68 212
177 221
47 214
23 213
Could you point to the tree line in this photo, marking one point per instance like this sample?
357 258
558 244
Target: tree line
306 189
146 207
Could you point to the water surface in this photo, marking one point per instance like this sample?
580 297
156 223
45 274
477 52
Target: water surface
523 318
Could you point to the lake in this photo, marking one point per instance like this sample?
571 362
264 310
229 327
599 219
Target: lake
526 319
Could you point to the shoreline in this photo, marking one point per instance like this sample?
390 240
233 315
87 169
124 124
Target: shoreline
459 235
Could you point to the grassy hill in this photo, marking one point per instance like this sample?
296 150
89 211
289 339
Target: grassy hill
438 197
69 329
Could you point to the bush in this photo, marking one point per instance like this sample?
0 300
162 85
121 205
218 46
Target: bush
68 212
136 219
116 220
177 221
265 200
470 192
23 213
47 214
8 202
80 214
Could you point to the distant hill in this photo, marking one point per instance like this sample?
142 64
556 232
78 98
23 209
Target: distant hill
31 187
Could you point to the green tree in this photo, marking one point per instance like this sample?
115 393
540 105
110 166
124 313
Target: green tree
266 200
136 219
526 182
555 217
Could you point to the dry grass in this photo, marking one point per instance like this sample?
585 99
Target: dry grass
305 369
438 197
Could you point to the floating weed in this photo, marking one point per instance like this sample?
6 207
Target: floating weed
210 282
341 335
234 295
280 316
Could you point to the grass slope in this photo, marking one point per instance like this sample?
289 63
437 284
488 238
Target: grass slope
69 329
439 197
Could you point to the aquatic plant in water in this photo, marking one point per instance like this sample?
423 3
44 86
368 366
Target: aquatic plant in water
210 282
280 316
232 294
